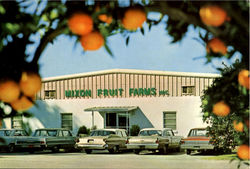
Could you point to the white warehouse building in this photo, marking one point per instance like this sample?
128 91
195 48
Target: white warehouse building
120 98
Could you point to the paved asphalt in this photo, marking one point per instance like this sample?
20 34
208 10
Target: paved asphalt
104 160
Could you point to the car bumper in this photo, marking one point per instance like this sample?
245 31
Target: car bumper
143 146
91 146
197 147
31 146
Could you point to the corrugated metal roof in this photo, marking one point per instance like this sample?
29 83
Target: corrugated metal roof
112 109
132 71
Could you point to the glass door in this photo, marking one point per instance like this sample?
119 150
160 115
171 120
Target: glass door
123 121
111 120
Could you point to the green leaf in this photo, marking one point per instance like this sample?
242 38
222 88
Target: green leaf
127 41
53 14
149 26
108 50
142 30
2 10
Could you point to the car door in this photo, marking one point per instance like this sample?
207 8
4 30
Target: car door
175 139
68 138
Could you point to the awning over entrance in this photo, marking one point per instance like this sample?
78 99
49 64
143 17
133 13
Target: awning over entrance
112 109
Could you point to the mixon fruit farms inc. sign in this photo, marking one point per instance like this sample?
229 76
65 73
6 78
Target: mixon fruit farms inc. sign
116 92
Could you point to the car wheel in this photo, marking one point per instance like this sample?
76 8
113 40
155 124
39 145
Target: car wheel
164 150
115 149
88 151
11 148
55 149
137 151
188 152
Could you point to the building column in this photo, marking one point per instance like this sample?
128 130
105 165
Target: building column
93 120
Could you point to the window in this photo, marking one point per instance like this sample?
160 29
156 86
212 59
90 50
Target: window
150 133
169 120
197 132
101 133
168 133
17 122
66 121
66 133
119 133
49 94
188 90
124 134
60 133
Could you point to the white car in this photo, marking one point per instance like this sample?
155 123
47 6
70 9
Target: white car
113 140
154 139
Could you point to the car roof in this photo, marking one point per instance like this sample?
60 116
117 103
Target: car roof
108 130
151 129
52 129
10 129
199 128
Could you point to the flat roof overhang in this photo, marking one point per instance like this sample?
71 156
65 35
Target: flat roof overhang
112 109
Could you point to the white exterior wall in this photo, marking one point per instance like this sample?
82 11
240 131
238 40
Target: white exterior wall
149 114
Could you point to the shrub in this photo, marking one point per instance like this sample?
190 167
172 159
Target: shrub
134 130
83 130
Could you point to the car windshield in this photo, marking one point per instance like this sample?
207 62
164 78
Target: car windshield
2 133
45 133
197 132
101 133
6 132
20 133
150 133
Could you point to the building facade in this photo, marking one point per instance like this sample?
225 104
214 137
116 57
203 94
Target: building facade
120 98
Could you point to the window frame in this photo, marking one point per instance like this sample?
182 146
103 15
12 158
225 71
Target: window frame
188 93
49 94
164 118
19 119
69 127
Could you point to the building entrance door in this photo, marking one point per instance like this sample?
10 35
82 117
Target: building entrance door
123 121
111 120
117 120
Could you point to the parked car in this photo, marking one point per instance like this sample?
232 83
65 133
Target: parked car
198 140
10 136
155 140
48 138
113 140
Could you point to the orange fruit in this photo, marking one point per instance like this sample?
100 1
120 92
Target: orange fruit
134 18
22 104
9 91
221 109
243 152
238 126
92 41
213 15
105 18
217 46
80 23
30 83
243 78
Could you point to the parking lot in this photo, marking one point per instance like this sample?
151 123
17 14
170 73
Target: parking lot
104 160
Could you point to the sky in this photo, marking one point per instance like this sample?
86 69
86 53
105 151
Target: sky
151 51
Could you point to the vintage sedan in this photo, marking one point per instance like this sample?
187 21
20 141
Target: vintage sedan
48 138
113 140
10 136
155 140
197 140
